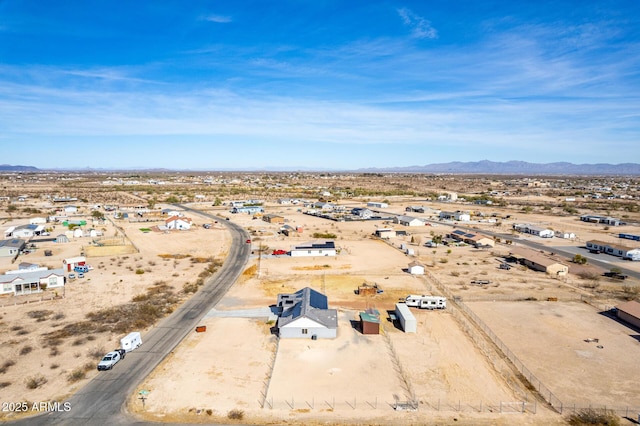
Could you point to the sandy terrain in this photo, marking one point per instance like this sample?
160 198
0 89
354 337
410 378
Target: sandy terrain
113 281
549 337
353 378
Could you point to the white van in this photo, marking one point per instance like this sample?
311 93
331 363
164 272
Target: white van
131 341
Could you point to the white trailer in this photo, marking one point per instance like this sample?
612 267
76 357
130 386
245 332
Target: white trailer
426 302
406 318
131 341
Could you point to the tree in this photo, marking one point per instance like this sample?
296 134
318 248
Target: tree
97 215
437 239
579 259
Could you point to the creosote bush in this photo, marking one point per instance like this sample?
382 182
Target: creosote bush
594 417
235 414
35 382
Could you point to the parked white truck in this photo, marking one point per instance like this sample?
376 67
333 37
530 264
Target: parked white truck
426 302
131 341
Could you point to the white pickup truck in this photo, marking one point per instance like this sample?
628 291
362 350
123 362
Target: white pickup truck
111 359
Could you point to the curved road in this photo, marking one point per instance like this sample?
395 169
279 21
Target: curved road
102 400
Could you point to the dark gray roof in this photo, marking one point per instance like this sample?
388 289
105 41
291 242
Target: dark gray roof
306 303
13 242
325 245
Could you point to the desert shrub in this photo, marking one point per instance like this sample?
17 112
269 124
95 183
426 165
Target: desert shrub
77 342
455 273
139 271
190 287
5 365
97 352
75 375
22 332
209 411
16 328
326 235
443 260
58 316
27 349
89 366
4 384
34 382
91 338
235 414
40 315
594 417
54 351
54 366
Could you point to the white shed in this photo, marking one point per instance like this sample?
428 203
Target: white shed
406 318
416 268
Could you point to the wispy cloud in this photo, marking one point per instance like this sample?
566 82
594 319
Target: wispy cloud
420 27
219 19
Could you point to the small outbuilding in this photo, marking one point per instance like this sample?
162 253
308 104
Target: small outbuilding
405 318
630 312
416 268
370 321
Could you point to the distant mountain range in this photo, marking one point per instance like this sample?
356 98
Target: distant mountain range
8 168
485 167
515 168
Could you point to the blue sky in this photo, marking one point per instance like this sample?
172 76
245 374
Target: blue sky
317 84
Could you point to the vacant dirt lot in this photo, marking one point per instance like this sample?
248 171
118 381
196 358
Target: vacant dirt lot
549 338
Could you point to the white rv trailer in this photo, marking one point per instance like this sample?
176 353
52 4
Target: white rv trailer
426 302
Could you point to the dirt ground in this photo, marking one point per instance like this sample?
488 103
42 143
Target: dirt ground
113 281
236 365
550 338
354 378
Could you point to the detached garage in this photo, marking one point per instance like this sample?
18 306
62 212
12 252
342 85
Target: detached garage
630 312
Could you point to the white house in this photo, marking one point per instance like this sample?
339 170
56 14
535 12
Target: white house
24 231
625 252
416 268
385 233
37 220
457 215
362 213
27 282
322 205
534 230
306 314
175 222
327 248
70 209
408 221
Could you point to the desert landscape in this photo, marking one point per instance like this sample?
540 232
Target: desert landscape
511 346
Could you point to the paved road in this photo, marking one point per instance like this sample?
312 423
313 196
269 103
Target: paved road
603 261
102 400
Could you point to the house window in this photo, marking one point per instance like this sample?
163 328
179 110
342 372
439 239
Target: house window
305 331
